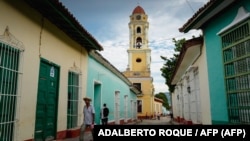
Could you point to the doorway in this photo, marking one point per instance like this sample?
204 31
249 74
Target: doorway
97 102
47 101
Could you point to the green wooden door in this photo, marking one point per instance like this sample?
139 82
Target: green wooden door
47 97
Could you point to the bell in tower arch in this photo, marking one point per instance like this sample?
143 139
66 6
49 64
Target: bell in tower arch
138 42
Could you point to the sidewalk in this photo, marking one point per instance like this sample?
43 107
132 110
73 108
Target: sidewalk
70 139
163 121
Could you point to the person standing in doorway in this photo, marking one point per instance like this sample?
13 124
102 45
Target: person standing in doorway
89 118
105 114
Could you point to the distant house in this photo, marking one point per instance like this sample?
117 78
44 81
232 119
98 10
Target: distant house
43 69
226 29
108 85
158 105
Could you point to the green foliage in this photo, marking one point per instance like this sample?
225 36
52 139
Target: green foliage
170 64
165 100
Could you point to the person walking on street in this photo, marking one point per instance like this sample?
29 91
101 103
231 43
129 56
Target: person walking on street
89 118
105 114
171 116
158 116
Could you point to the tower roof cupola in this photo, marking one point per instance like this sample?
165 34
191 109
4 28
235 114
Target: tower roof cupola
138 10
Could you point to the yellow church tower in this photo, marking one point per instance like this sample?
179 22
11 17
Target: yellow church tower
139 61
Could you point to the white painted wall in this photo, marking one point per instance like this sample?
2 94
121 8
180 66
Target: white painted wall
196 105
204 87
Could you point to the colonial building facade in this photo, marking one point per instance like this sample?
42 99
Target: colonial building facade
190 98
226 28
108 85
47 65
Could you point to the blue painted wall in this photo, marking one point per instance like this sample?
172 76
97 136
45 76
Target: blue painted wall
104 91
215 63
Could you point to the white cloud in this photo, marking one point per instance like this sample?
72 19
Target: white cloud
108 23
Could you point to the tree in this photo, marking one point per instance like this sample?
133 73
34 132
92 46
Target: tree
164 98
170 64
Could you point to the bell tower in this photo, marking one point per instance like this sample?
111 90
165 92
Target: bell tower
139 58
139 61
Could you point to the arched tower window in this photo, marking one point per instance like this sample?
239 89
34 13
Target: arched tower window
138 30
138 42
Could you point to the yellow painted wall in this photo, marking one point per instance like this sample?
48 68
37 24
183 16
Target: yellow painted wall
158 107
45 43
142 66
147 97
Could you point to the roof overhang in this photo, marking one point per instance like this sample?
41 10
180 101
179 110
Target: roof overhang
190 52
135 90
158 100
56 13
204 14
98 57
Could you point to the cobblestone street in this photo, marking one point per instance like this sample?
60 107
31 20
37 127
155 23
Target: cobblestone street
163 121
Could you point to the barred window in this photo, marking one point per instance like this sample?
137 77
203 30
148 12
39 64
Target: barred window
236 57
9 74
73 99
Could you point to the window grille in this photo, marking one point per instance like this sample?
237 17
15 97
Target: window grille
9 75
236 56
236 35
73 99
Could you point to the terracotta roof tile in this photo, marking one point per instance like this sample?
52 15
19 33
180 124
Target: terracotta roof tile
202 9
138 10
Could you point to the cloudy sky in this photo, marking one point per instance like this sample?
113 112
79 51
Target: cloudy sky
107 21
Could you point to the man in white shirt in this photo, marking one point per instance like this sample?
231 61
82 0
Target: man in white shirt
89 118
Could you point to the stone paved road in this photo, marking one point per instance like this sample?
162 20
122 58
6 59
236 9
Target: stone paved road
163 121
